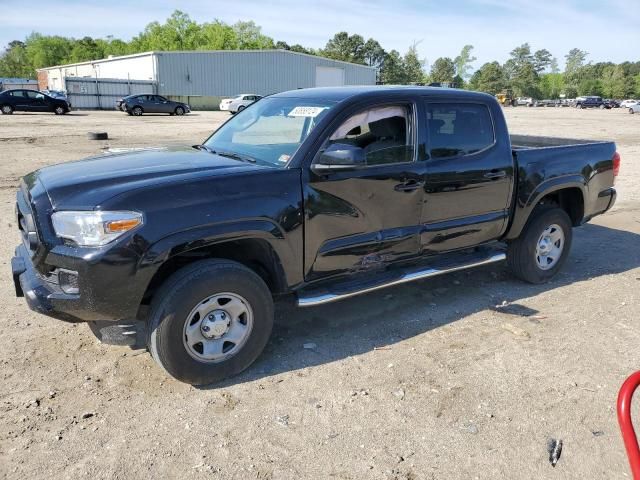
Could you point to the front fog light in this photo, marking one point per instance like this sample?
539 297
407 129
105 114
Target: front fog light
68 281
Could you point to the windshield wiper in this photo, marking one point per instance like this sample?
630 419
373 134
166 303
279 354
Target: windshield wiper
203 147
235 156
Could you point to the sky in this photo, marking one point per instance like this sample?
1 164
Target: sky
608 29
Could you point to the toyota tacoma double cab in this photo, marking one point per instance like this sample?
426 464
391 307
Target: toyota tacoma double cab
316 195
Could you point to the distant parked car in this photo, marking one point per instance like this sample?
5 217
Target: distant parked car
591 101
140 104
59 94
31 101
634 108
525 101
610 103
628 103
239 103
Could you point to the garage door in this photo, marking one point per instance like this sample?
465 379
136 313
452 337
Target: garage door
329 77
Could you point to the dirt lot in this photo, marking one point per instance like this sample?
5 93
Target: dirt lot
425 381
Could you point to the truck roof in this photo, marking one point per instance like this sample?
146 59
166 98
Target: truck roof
343 93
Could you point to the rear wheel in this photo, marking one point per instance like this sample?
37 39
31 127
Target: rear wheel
179 111
137 111
240 108
209 321
538 254
6 109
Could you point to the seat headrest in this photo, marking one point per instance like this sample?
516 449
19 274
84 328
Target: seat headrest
435 125
388 127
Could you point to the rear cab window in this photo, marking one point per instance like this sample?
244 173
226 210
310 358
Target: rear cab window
458 129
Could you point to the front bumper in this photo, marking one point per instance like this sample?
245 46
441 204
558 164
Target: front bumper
110 288
40 296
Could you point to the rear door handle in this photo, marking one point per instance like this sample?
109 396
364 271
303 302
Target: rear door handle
409 186
495 174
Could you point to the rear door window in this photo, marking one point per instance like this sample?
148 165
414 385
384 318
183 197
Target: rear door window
459 129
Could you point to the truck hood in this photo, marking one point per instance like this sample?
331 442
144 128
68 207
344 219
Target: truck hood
86 184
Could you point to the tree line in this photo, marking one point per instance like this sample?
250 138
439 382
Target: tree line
525 73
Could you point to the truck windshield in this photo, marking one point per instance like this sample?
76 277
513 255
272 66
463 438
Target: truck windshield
270 131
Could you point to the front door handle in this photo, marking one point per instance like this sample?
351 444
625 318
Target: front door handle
495 174
409 186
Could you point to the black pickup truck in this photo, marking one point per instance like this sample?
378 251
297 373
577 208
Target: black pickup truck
317 194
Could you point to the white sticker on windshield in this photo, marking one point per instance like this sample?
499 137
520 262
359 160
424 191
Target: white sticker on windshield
306 112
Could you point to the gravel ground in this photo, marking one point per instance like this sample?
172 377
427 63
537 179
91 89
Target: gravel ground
424 381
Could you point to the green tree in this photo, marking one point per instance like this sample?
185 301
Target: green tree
614 82
217 35
345 47
520 72
250 36
542 60
44 51
589 86
300 49
463 62
86 49
443 70
413 66
14 61
574 63
179 32
392 71
522 55
489 78
551 85
373 54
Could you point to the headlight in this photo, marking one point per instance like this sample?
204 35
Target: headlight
94 229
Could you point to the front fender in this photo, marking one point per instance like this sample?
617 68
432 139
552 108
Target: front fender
177 243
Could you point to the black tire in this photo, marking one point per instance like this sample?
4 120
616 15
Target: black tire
630 111
186 289
59 110
128 112
521 253
240 108
179 111
6 110
137 111
98 136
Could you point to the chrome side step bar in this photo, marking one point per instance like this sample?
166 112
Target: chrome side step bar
320 297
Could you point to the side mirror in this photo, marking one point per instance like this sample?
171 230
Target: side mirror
339 156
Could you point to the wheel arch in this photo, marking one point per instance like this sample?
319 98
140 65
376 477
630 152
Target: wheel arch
568 194
258 250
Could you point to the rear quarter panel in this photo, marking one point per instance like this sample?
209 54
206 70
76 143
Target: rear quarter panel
541 171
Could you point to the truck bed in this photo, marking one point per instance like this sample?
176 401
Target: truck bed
523 142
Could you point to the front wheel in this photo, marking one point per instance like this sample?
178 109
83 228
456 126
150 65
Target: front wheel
538 254
179 111
210 321
59 110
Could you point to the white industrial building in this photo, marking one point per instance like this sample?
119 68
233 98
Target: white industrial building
200 78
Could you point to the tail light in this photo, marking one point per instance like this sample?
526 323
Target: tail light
616 165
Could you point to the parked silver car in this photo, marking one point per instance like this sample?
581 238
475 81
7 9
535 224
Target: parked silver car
238 103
